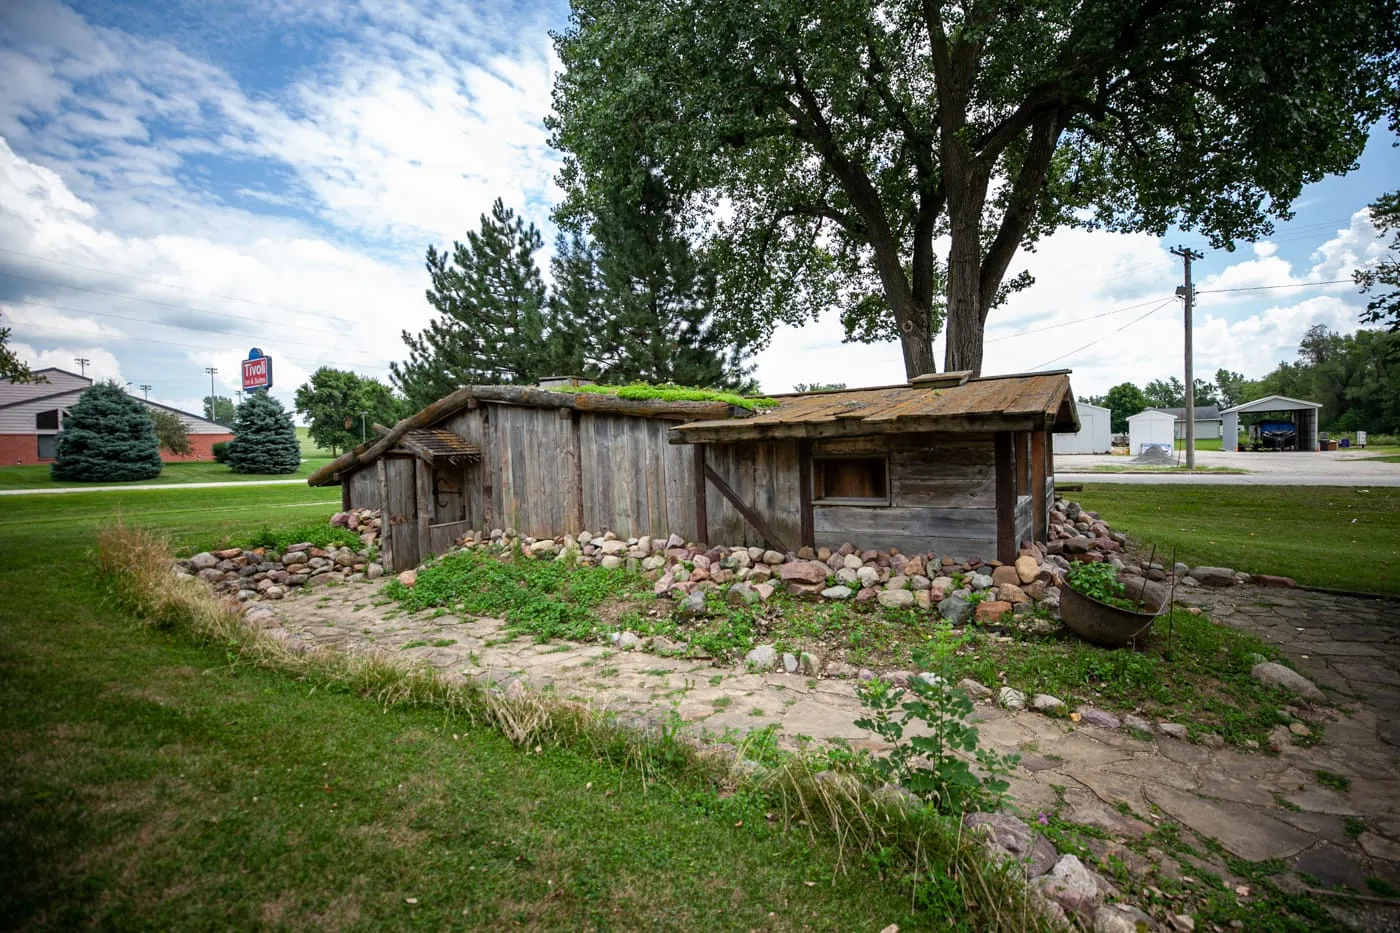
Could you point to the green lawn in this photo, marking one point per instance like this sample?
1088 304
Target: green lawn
1338 537
309 448
147 781
37 477
1203 443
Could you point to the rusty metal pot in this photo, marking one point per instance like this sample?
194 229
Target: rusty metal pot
1102 624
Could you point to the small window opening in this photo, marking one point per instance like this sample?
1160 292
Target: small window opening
48 446
862 480
46 420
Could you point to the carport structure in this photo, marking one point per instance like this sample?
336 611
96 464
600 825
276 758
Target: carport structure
1304 415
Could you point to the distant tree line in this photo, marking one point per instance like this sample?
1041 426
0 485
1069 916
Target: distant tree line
1356 378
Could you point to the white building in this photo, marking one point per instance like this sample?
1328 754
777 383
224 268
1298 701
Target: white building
1095 434
1151 428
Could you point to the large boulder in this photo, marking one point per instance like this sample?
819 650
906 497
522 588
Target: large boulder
1012 837
1213 576
895 599
1073 886
1276 675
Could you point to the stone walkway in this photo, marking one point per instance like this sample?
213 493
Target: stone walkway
1257 805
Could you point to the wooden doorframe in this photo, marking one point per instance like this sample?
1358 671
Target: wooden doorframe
1004 448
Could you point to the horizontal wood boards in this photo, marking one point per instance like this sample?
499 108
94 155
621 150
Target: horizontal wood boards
961 532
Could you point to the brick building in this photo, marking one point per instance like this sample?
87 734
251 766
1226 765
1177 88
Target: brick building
31 413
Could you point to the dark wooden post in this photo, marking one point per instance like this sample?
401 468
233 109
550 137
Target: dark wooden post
702 518
1037 467
423 494
386 544
806 522
1023 463
1004 447
576 455
345 493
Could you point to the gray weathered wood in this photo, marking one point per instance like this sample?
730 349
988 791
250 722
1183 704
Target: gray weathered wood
702 519
423 497
386 542
444 535
1040 512
1005 497
807 529
751 516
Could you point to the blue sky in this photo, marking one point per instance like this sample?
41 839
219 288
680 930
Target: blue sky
180 181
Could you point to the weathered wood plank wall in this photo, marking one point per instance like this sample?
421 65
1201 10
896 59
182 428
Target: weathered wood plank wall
541 472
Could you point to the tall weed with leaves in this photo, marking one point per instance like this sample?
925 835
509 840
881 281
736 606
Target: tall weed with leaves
947 781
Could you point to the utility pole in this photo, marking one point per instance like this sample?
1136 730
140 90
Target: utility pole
146 391
213 399
82 362
1188 294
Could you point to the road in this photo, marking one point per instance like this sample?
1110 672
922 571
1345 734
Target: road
1333 468
49 491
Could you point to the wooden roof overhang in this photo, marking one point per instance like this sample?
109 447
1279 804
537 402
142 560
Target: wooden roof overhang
392 440
1031 402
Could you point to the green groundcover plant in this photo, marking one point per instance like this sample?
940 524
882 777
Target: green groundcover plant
641 391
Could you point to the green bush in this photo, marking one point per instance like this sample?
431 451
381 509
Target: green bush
264 439
320 534
221 452
107 436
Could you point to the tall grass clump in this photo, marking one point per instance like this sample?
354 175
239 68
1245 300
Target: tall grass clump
948 872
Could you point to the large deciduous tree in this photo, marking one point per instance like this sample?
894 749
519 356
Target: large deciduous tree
340 406
171 432
490 299
11 366
107 436
826 150
1123 401
220 409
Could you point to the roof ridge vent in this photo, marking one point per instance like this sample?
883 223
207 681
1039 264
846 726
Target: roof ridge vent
941 380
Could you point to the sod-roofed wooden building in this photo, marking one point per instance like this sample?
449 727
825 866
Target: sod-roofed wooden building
948 464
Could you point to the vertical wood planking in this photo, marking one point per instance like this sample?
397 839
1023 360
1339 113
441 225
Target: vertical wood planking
603 519
386 540
422 493
1004 445
702 520
1037 462
576 467
807 533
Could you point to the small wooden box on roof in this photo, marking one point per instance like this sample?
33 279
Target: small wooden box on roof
947 464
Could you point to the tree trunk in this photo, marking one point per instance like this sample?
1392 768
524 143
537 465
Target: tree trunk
964 323
912 319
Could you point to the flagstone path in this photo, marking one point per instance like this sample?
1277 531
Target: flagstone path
1257 805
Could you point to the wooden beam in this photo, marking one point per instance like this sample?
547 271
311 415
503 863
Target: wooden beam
741 431
806 519
368 452
576 469
750 516
345 494
1003 443
385 516
702 517
418 450
422 486
1039 528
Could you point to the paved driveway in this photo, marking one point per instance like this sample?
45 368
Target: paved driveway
1333 468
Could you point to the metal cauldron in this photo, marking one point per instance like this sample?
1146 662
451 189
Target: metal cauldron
1101 623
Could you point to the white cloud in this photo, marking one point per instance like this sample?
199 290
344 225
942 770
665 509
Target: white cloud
101 365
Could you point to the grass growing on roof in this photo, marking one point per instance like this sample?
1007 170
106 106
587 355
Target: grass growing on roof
669 392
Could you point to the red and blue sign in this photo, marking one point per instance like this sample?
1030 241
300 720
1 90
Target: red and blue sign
257 371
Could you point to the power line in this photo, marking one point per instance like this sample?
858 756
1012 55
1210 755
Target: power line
1086 346
137 278
1261 288
1080 320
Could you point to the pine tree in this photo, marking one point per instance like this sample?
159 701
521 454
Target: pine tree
491 301
107 436
651 294
264 439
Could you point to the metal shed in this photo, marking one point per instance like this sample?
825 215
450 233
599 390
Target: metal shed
1303 413
1151 428
1095 435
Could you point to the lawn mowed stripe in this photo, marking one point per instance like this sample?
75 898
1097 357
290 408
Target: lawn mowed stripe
1338 537
171 474
148 782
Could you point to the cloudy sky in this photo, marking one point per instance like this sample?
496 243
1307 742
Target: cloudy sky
181 181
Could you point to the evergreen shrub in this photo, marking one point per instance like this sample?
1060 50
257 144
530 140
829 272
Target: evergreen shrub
264 438
107 436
